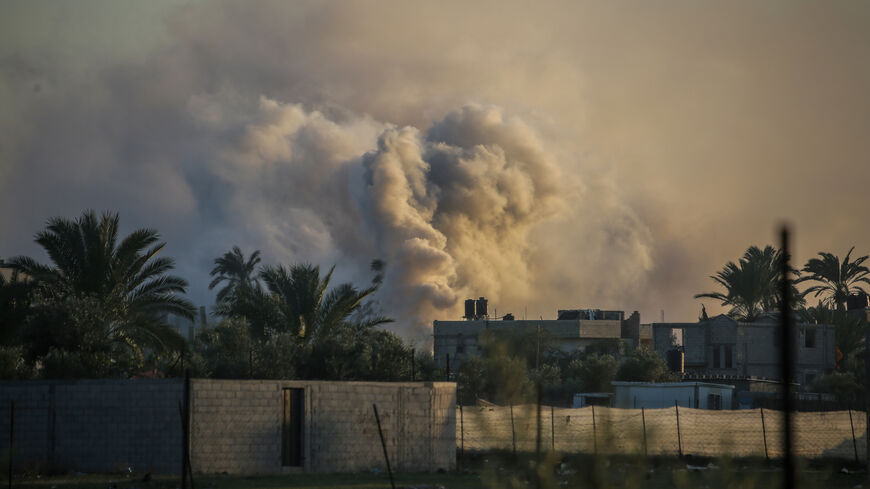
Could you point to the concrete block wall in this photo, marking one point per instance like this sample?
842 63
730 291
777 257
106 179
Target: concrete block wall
105 425
95 425
236 426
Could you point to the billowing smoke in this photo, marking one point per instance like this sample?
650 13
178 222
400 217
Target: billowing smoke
448 207
526 154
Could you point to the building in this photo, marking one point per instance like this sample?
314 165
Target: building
859 306
573 329
698 395
723 348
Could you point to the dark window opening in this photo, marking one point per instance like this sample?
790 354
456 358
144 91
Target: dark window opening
716 356
292 433
728 354
714 401
810 338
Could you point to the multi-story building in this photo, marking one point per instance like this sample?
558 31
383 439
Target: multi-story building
573 329
721 347
859 306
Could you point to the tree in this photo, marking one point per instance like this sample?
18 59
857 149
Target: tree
838 280
15 298
306 307
849 330
236 271
753 284
644 365
101 301
595 372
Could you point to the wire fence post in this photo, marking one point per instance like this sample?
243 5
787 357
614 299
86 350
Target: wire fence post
461 431
184 413
11 437
854 442
594 433
538 428
643 420
787 366
553 428
764 435
539 482
413 367
679 436
448 368
384 446
513 431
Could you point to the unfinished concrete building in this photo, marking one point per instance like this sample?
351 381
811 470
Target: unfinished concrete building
722 347
573 329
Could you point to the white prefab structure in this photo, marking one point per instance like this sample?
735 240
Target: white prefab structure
698 395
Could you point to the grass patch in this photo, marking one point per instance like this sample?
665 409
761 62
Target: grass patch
505 471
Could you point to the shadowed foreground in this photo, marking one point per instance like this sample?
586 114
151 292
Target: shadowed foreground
502 470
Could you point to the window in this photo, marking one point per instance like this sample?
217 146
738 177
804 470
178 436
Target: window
809 378
810 338
716 356
728 353
714 401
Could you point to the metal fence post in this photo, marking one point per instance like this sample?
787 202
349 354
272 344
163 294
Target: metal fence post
764 435
384 445
679 436
538 428
447 363
413 367
553 428
11 437
461 431
854 442
643 420
594 432
787 358
513 430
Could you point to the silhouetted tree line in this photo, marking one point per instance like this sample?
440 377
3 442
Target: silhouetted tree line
512 366
101 308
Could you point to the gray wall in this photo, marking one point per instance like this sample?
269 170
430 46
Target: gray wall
93 425
103 425
237 425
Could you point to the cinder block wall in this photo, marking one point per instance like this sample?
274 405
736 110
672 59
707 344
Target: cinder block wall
105 425
236 425
95 425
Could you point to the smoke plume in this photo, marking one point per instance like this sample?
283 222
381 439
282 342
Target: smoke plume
569 155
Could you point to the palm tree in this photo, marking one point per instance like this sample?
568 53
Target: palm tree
849 330
307 308
124 284
753 284
236 271
837 280
15 297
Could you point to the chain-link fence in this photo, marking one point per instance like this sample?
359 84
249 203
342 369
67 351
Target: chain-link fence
670 431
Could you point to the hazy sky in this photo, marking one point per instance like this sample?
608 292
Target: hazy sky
573 155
